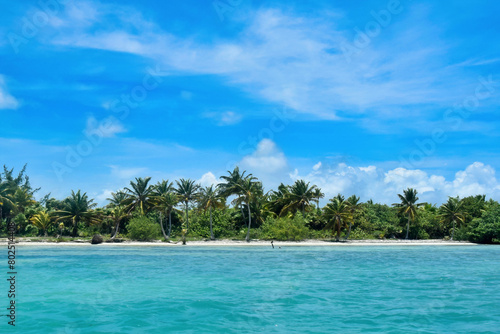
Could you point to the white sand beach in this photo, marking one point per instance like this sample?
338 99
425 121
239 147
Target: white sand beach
252 243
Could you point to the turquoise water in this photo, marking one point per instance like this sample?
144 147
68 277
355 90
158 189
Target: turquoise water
99 289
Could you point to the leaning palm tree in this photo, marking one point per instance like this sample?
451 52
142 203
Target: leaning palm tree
337 213
139 195
42 221
117 214
187 190
77 207
408 206
209 199
452 212
299 197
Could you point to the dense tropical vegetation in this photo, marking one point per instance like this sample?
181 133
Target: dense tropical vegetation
183 210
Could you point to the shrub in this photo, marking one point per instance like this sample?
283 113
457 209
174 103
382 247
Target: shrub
143 229
286 228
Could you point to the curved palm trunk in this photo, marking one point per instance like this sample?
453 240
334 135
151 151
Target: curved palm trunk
211 231
249 223
169 223
407 228
162 228
453 233
117 227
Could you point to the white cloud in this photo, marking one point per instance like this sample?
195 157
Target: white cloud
208 179
7 101
295 61
224 118
106 128
266 158
383 186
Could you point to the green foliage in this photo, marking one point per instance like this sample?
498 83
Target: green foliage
143 229
487 228
377 221
285 228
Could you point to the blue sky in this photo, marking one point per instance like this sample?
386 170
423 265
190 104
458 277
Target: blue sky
367 99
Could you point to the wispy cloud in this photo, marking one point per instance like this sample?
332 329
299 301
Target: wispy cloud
297 61
105 128
224 118
7 101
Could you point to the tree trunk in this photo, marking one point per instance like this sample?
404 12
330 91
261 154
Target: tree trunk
407 228
187 217
338 229
211 231
169 222
45 233
249 223
162 228
75 228
453 233
117 227
349 232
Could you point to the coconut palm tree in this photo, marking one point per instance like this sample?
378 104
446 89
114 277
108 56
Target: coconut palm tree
187 190
299 197
452 212
139 195
77 207
408 206
6 193
247 190
117 198
117 214
209 199
354 205
42 221
337 212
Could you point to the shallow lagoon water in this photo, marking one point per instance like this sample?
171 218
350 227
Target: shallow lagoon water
100 289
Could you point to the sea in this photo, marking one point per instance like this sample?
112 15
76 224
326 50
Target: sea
206 289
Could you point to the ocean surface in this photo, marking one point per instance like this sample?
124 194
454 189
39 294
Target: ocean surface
100 289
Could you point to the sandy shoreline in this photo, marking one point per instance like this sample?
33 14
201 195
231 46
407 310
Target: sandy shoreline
237 243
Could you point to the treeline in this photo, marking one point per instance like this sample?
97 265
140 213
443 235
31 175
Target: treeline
238 208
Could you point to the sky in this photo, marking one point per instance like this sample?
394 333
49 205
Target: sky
358 98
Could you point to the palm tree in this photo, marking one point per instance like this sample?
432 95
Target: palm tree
164 200
118 214
247 191
452 211
187 190
117 198
299 197
408 206
210 198
43 221
6 193
139 197
354 205
77 207
337 212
